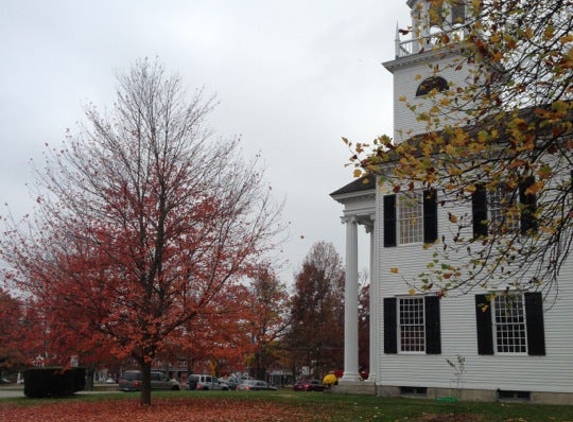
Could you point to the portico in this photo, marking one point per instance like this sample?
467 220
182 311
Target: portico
358 199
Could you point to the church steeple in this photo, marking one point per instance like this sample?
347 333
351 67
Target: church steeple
423 63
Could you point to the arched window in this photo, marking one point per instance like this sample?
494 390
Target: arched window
431 83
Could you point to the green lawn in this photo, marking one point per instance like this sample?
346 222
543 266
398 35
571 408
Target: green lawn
369 408
329 407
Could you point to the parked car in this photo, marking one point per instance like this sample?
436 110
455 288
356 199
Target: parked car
205 382
5 381
131 381
255 385
231 382
308 385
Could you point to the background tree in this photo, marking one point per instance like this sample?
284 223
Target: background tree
364 321
141 221
513 136
268 318
316 337
220 336
12 347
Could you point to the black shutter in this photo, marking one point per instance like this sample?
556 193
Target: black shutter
389 220
528 207
535 326
479 211
390 326
484 327
430 216
433 334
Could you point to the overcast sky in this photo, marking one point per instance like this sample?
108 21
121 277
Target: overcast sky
292 78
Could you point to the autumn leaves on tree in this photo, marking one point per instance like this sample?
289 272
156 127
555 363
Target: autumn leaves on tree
317 312
143 222
502 131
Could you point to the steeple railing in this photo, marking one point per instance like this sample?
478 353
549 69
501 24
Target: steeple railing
428 42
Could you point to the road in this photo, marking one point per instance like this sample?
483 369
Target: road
6 393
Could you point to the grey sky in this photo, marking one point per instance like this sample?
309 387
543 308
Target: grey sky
292 78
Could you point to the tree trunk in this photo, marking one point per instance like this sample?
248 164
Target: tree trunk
90 378
146 383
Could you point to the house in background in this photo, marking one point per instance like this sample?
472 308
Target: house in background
423 344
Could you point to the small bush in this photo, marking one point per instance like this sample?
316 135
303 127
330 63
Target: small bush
53 381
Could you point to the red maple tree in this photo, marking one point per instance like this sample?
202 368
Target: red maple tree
12 354
141 223
268 319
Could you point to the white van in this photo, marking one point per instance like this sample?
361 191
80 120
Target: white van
205 382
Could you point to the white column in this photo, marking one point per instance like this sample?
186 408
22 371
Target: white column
374 308
351 304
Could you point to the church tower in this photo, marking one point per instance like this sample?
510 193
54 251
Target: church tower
426 56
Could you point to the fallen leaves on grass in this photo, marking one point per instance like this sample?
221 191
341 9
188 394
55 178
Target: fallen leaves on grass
451 418
162 410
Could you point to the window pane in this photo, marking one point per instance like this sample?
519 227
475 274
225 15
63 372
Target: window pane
412 325
502 213
509 322
436 13
410 218
458 12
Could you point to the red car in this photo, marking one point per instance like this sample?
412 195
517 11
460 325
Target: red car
308 385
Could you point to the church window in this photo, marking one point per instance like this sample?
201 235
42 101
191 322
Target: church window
412 325
432 83
492 210
510 324
458 12
410 218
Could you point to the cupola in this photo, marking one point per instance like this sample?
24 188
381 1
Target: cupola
426 61
429 18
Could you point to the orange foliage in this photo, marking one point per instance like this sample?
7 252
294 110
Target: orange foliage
144 253
10 331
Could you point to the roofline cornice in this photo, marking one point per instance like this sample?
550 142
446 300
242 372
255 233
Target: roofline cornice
415 59
354 196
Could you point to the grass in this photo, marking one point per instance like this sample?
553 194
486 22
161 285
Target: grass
315 407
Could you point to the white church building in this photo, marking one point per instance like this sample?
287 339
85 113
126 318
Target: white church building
437 347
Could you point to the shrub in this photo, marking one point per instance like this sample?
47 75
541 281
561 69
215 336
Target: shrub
53 381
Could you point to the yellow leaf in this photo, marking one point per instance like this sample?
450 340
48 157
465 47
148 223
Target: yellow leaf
412 292
394 270
529 33
470 188
483 136
549 230
549 32
450 150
